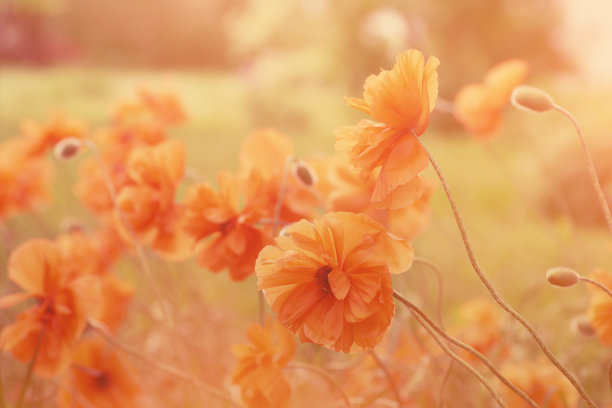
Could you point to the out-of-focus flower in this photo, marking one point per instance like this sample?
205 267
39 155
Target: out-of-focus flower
270 154
346 191
542 382
147 200
99 375
600 309
226 235
64 302
480 326
37 138
400 100
479 107
259 372
329 281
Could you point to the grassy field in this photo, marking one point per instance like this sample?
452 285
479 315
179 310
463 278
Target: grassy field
497 186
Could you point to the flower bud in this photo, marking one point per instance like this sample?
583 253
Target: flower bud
582 326
67 148
531 99
304 173
562 276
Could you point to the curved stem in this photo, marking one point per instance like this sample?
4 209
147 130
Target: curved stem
102 331
414 309
323 374
28 378
493 291
436 270
388 376
590 166
459 360
595 283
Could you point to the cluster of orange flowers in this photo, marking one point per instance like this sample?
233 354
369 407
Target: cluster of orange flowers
323 236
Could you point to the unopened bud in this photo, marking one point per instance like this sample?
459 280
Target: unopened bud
71 225
304 173
67 148
531 99
582 326
562 276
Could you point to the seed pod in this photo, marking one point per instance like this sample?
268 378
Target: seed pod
304 173
67 148
562 276
531 99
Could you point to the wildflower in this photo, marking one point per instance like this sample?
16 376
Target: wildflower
99 375
147 199
270 154
531 99
562 276
259 371
63 304
400 100
600 308
329 281
545 385
346 191
225 235
479 107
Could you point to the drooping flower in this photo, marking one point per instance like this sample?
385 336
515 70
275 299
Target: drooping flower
226 234
259 371
400 100
329 281
600 309
479 107
101 376
64 302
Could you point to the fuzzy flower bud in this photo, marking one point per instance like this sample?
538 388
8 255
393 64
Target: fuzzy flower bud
531 99
562 276
67 148
304 174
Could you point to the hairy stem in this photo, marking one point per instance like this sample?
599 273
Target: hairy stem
493 291
436 270
596 283
28 378
414 309
590 166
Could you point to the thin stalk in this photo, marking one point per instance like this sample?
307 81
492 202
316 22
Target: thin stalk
323 374
28 378
493 291
388 376
414 309
595 283
590 166
444 382
459 360
135 352
2 400
436 270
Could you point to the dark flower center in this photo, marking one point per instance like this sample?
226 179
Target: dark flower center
102 380
322 279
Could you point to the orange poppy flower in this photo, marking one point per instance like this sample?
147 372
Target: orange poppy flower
542 382
267 152
346 191
63 305
330 281
479 107
42 137
400 100
147 200
259 371
100 375
600 309
226 236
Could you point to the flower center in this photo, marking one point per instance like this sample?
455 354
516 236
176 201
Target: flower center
322 279
102 380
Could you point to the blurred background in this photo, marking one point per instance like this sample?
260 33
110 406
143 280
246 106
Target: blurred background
241 64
